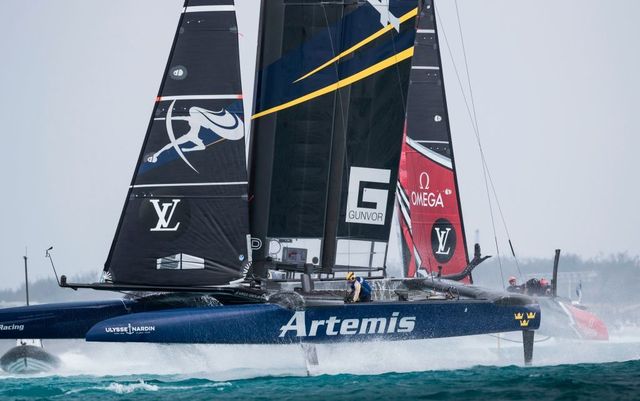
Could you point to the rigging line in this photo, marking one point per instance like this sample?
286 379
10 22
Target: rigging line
404 102
343 126
466 65
397 68
504 223
475 120
475 129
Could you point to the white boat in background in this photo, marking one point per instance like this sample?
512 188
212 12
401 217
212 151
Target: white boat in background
28 356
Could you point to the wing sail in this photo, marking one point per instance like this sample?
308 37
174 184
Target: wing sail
327 132
429 203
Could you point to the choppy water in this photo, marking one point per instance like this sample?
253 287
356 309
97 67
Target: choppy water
457 369
609 381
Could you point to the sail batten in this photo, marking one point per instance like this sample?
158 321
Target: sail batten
199 97
213 8
190 184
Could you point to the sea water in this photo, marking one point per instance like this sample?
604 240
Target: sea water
478 367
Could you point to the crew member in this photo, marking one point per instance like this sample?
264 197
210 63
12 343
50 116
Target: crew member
360 288
545 287
540 287
513 285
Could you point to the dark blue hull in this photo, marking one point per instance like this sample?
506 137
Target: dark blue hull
60 320
288 317
74 319
273 324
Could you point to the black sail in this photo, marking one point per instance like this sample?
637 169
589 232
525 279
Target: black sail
327 130
185 220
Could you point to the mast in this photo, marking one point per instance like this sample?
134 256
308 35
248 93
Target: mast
26 276
554 280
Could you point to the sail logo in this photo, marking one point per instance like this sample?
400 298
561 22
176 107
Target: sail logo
386 18
11 327
368 195
223 123
426 197
443 240
256 244
347 327
165 214
130 329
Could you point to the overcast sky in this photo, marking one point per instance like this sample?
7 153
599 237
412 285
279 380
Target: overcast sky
555 85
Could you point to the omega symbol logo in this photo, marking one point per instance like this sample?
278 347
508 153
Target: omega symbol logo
424 180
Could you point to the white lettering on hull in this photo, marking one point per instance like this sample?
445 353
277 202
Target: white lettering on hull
11 327
130 329
348 327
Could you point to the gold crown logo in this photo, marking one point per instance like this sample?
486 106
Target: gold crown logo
531 315
524 323
518 316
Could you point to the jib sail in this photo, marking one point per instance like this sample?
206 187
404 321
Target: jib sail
430 213
327 130
185 220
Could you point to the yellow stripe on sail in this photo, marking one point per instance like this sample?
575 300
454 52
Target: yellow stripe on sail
395 59
358 45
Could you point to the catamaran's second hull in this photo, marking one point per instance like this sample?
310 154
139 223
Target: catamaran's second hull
273 324
60 320
566 320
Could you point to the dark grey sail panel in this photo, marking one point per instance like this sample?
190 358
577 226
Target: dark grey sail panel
377 108
185 221
211 36
332 81
427 118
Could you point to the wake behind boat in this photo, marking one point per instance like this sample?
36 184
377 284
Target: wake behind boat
247 237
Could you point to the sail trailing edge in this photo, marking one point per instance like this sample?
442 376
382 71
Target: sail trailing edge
430 213
185 220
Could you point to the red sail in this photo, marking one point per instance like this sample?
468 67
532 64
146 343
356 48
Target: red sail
429 205
430 220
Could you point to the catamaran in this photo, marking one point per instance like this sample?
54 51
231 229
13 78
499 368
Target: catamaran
235 235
